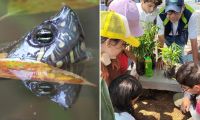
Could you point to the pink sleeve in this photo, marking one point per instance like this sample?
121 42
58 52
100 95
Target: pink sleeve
198 107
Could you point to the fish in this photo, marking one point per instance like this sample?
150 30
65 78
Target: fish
58 43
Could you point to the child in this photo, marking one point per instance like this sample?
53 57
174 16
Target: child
128 9
124 91
115 35
110 48
148 11
188 75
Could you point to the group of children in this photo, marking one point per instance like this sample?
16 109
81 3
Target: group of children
119 26
136 14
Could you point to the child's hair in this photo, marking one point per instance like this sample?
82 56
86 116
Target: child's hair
156 2
123 90
188 74
112 41
107 2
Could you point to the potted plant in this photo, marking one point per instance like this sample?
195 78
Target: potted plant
146 48
170 56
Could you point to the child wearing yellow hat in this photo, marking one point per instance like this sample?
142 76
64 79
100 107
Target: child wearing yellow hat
115 35
128 9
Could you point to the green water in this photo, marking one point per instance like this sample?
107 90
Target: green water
18 103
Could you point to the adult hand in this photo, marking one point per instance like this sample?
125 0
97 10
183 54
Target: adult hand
185 104
160 64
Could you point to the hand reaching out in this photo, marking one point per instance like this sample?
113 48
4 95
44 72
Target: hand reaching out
185 104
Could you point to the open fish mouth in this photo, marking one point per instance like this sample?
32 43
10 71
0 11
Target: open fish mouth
58 42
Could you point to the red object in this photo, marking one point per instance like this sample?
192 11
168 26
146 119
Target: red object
123 62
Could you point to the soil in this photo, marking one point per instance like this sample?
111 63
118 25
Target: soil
158 105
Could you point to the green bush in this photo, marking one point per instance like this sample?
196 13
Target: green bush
147 42
171 55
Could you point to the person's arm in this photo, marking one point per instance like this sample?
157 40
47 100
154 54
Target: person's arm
161 38
194 50
161 41
185 105
192 35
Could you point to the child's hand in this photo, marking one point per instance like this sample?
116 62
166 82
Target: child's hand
185 104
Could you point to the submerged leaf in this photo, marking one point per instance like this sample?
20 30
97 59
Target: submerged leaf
39 6
38 71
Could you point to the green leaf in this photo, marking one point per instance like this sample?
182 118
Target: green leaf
147 42
171 54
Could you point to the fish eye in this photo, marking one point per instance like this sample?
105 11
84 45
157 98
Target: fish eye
44 36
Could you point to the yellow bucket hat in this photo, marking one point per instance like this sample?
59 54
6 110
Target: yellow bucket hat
115 26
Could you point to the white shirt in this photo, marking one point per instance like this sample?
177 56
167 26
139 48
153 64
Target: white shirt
123 116
146 17
192 26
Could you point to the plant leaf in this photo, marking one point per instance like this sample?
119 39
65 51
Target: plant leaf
147 42
171 54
